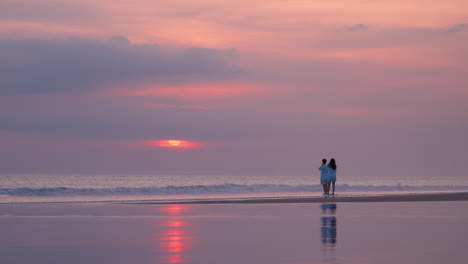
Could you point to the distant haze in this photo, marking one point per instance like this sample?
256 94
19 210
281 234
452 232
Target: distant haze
234 87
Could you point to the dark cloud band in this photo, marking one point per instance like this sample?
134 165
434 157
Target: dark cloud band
77 65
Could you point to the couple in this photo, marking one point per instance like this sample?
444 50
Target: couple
328 176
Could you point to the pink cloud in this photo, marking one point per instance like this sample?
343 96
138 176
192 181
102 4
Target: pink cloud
196 91
198 107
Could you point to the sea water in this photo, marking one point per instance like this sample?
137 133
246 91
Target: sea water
66 188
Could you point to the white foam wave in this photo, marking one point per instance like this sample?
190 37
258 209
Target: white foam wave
217 189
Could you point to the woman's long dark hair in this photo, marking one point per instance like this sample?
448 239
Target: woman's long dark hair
332 164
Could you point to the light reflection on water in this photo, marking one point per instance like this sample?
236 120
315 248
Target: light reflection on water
328 232
176 237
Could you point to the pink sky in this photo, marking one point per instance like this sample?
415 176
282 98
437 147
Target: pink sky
259 87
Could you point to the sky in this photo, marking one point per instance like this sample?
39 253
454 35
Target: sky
234 87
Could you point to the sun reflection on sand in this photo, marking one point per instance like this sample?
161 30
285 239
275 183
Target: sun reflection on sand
176 238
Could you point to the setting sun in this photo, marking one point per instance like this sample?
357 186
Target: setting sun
174 143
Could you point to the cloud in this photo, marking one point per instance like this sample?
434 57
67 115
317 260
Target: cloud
79 65
358 27
458 28
49 11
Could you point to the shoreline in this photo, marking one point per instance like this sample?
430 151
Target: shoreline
340 198
275 233
427 197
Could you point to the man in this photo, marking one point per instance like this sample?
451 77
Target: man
324 177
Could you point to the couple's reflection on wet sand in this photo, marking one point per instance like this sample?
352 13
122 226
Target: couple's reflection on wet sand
176 237
328 232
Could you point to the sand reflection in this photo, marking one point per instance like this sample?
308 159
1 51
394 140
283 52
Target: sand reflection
176 238
328 232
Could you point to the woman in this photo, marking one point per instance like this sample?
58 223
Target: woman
332 175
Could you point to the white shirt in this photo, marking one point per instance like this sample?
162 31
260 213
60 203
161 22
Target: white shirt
324 171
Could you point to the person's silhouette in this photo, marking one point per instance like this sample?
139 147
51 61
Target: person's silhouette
324 177
331 175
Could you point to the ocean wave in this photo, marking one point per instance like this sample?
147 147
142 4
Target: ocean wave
218 189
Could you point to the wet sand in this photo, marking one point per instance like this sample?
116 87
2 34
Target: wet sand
274 233
421 197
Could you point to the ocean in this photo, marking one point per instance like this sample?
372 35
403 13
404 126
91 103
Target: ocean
29 188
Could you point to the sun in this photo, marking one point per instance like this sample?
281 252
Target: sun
174 143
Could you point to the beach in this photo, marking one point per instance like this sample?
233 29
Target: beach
402 197
430 229
233 132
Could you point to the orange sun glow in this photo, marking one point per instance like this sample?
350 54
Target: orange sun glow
174 143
